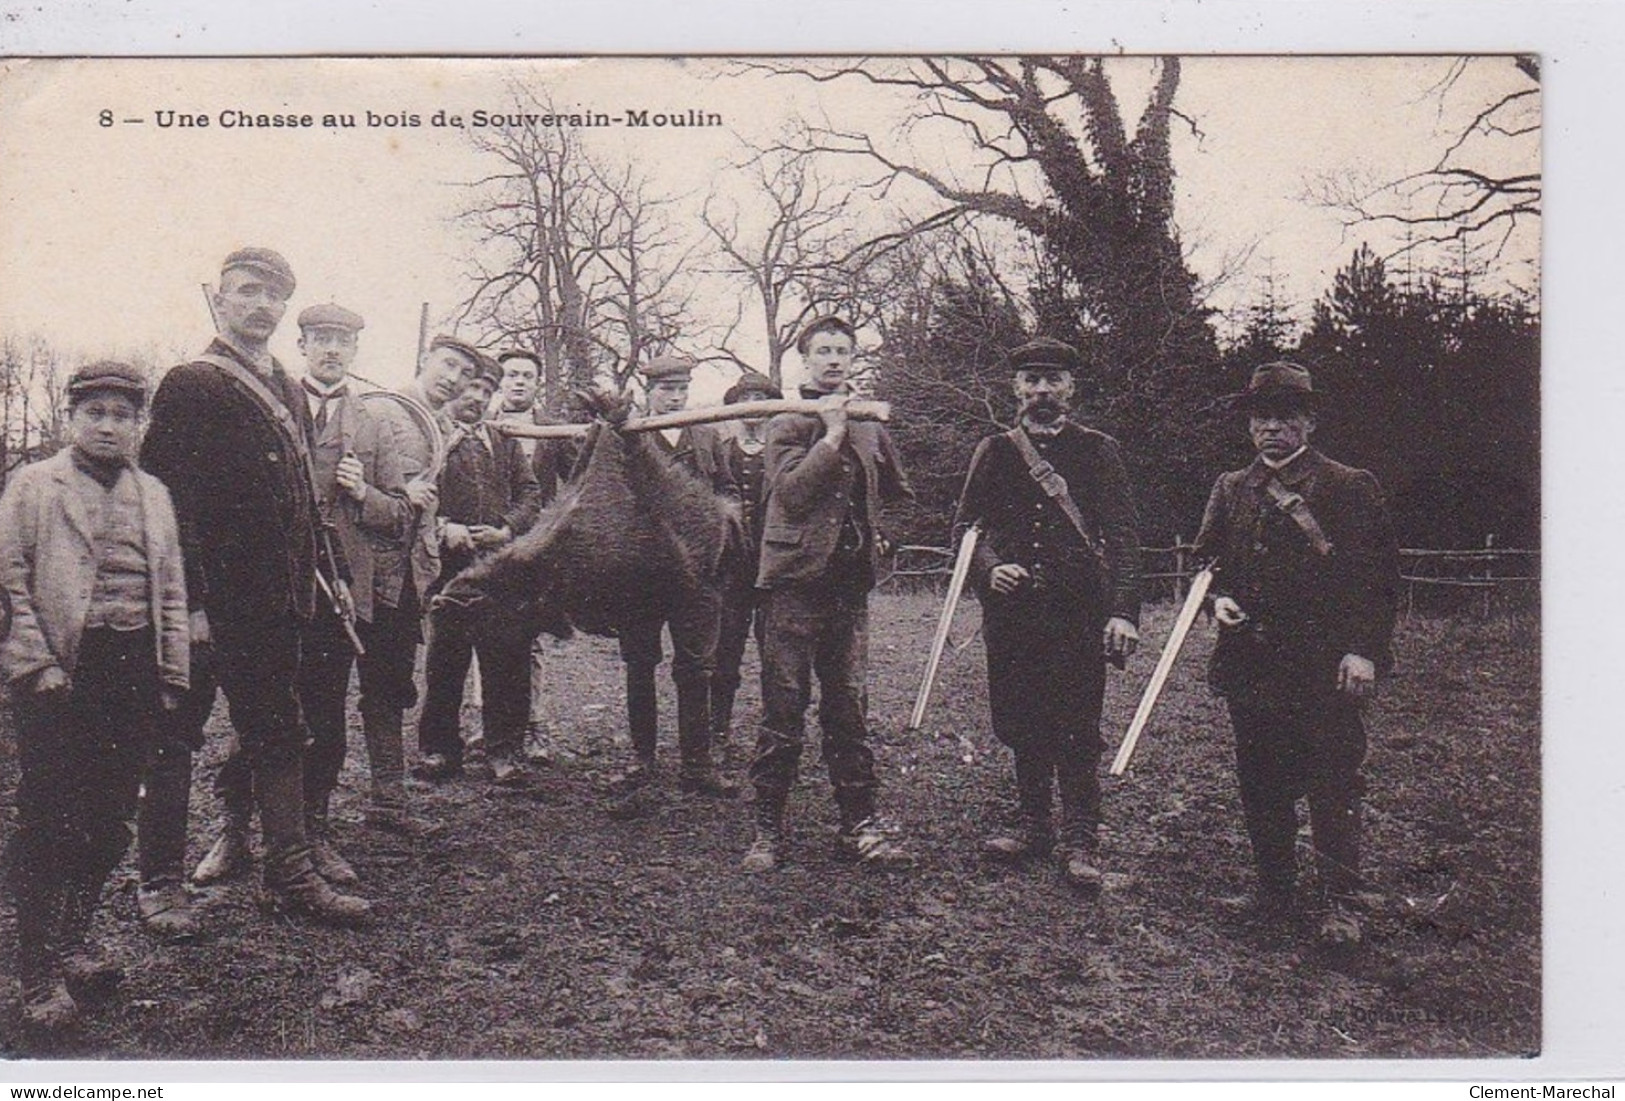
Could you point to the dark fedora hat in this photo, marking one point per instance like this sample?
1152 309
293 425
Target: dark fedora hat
1278 385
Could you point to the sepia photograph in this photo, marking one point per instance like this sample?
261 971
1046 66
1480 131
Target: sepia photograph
1002 557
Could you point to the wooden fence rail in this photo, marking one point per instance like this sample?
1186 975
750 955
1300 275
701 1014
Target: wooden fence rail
1488 571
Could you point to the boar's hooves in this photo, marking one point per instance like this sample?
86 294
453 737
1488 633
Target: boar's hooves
605 405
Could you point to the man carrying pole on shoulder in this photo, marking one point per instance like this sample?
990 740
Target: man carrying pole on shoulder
1057 572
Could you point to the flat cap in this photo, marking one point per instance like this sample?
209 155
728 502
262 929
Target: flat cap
461 346
518 353
1045 352
487 369
263 261
1279 384
330 315
109 374
664 367
752 382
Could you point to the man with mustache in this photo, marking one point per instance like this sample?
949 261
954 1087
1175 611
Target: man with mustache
362 497
1057 571
488 498
404 568
230 436
1305 591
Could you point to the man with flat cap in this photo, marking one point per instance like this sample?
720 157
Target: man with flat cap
694 623
419 420
230 435
1056 568
743 444
1305 589
487 498
827 478
518 403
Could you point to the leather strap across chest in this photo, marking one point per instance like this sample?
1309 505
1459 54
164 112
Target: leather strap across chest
1053 484
1297 510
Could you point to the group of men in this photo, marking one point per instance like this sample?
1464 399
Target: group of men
316 519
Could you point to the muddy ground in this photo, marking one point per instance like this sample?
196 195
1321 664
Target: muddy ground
534 926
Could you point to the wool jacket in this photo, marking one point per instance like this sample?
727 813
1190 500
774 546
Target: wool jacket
380 522
48 569
1303 608
1021 525
247 508
494 485
809 491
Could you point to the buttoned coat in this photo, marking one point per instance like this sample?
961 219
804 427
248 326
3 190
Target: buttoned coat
1023 526
493 485
378 524
806 486
243 497
48 569
1305 610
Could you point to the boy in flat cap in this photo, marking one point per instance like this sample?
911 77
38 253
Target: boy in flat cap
98 652
230 436
744 443
1057 571
826 479
1305 589
694 625
487 498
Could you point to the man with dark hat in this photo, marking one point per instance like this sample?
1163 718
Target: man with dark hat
487 498
95 663
231 436
1305 588
1056 568
826 478
695 622
744 441
517 402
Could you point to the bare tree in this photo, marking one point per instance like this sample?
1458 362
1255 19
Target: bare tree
1480 188
574 260
33 391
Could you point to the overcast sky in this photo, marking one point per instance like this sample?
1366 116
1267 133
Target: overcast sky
108 231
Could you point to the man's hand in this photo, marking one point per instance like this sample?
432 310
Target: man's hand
351 477
170 698
1008 577
458 537
421 494
1357 676
51 679
486 537
832 410
1228 612
198 623
1122 639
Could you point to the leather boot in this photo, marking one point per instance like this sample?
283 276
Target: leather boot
766 850
329 863
291 881
1032 839
231 855
89 973
698 776
642 709
47 1005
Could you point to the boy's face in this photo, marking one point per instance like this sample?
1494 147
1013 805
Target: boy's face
668 395
104 425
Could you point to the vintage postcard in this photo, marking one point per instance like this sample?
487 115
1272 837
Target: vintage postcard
1194 394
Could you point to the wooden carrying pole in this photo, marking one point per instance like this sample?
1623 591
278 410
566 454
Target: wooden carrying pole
1165 664
956 587
710 414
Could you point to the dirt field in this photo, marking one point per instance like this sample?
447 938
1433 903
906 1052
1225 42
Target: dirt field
536 927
